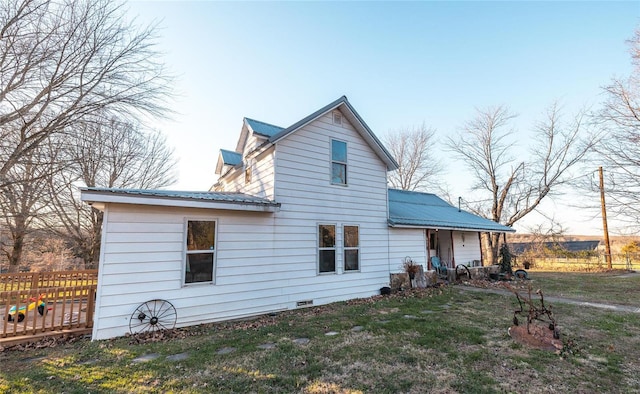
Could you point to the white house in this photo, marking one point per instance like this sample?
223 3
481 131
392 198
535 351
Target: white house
299 216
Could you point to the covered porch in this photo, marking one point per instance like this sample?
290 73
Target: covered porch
450 236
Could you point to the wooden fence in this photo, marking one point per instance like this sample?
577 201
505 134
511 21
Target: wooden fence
595 262
46 302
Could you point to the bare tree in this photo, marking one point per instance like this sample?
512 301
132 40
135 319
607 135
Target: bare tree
413 150
61 60
510 188
110 154
620 120
24 198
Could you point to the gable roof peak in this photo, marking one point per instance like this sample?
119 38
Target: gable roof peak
354 118
262 128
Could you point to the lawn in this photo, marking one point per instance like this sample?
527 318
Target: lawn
617 287
441 340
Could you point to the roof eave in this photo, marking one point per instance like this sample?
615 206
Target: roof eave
453 228
99 199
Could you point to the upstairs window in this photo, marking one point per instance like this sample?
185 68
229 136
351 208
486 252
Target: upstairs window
247 175
248 171
351 248
201 249
338 162
326 248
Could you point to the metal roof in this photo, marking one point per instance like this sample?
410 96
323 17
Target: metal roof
230 158
223 197
426 210
262 128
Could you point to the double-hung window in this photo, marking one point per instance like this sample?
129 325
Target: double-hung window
201 250
326 248
338 162
351 248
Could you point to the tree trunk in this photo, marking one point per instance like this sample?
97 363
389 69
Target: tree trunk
490 248
92 253
17 236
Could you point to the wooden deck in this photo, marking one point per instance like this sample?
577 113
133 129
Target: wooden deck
69 301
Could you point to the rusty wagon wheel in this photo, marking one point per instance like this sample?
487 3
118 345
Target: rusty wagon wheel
462 270
521 274
153 315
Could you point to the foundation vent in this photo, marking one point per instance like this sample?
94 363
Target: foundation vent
304 303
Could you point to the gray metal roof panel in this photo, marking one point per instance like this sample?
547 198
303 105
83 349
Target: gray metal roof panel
230 158
262 128
230 197
430 211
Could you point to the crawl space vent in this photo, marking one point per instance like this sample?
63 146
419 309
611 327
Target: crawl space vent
304 303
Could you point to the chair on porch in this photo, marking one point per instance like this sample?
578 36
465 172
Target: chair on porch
441 270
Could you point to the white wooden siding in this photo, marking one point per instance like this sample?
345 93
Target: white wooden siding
467 251
405 242
264 261
262 177
303 187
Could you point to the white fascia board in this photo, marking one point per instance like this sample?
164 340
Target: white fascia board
481 230
98 200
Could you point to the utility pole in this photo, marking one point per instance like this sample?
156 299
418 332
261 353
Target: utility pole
607 245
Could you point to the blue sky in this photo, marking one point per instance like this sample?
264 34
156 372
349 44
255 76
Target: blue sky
399 63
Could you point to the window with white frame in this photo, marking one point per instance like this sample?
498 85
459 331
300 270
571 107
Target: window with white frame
248 171
351 248
247 175
201 250
326 248
338 162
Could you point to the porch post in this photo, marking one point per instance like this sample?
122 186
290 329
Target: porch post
428 232
453 253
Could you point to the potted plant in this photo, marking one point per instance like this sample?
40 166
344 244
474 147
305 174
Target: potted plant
410 267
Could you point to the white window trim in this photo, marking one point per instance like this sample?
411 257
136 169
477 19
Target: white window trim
186 252
345 163
344 248
318 249
249 168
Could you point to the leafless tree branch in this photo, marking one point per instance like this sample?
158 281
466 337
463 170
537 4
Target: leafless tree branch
513 188
413 150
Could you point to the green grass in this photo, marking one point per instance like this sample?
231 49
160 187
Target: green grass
441 340
608 287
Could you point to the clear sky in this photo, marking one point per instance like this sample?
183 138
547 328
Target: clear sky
399 63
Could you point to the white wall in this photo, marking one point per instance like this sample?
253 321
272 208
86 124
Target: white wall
303 187
262 177
143 256
468 249
265 261
405 242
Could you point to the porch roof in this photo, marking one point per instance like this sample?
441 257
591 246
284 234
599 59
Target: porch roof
426 210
